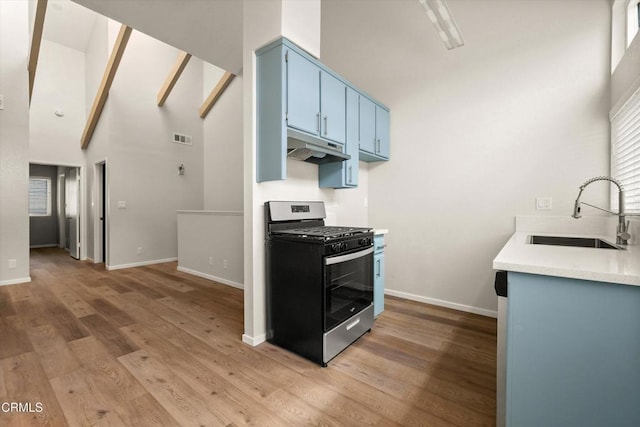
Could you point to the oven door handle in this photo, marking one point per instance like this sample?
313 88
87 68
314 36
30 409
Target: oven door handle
348 257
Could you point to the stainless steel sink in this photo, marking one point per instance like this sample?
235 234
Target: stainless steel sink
582 242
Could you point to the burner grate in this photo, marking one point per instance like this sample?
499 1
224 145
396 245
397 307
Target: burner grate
325 232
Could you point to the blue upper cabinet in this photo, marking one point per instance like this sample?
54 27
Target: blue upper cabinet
345 174
271 129
374 131
301 99
315 99
332 107
382 132
303 93
367 125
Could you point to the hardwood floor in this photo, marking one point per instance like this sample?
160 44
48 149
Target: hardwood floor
153 346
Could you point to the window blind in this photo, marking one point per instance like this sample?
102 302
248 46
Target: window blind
39 196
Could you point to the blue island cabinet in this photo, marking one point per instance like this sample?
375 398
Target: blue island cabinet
573 352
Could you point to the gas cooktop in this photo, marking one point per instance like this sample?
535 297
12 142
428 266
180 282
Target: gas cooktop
324 232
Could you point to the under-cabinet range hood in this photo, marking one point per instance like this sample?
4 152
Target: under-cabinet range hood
314 150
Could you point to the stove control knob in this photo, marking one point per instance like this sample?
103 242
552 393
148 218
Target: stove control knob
343 246
364 241
335 247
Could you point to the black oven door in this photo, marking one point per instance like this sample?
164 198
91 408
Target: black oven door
348 286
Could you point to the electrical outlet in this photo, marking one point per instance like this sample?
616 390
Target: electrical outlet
122 204
225 264
139 250
210 260
12 263
544 203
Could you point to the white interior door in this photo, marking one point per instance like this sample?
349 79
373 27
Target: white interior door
72 208
100 213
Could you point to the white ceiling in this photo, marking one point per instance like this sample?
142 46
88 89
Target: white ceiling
68 24
209 30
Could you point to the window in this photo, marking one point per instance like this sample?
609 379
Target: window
633 20
39 196
625 151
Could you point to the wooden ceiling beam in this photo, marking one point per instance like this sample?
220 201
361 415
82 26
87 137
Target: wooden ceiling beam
172 78
36 39
217 91
105 85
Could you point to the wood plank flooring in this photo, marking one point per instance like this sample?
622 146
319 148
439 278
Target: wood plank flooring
151 346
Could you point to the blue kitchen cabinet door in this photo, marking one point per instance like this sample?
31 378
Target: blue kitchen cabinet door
378 284
303 93
572 352
332 107
374 131
367 125
382 132
378 275
353 140
344 174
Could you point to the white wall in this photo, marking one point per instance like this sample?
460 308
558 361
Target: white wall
143 161
476 133
223 144
14 141
60 85
210 245
96 57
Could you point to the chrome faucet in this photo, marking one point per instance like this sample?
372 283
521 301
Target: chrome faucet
622 232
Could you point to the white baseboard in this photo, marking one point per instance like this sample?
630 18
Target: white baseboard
89 259
442 303
54 245
15 281
211 277
254 341
140 264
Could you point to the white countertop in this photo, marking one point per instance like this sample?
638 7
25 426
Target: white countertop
603 265
378 231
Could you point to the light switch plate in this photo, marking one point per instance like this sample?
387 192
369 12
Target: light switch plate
1 102
122 204
544 203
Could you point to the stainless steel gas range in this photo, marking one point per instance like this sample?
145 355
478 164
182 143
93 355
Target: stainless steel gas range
319 281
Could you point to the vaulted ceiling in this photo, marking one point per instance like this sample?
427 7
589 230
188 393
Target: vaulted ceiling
209 30
68 24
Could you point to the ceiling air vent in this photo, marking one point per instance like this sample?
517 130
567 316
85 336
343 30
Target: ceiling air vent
180 138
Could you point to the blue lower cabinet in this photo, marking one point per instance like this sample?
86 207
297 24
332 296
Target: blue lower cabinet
573 352
378 275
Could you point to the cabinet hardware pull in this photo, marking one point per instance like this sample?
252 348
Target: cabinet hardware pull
325 125
350 174
378 262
